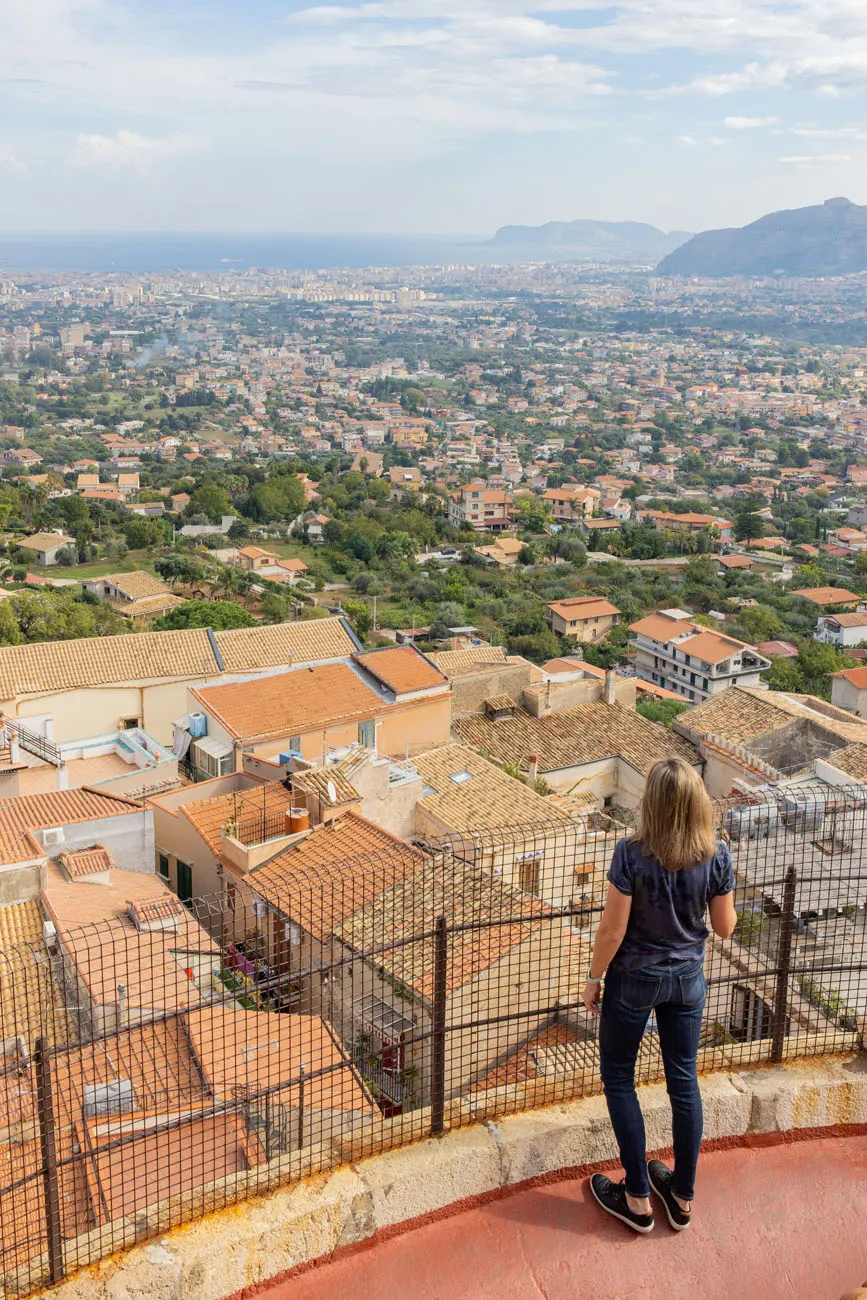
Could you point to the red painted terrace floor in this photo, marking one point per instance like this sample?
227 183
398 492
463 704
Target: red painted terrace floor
771 1223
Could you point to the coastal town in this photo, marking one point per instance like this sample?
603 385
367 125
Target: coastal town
342 618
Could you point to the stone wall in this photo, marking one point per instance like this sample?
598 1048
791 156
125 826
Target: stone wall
227 1249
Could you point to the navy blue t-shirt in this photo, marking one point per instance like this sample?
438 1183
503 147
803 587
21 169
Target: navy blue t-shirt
668 907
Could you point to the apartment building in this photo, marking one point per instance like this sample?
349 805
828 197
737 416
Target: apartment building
585 618
479 507
673 652
571 504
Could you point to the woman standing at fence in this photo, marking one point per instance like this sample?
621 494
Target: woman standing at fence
650 949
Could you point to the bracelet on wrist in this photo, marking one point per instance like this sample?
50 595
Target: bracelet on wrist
592 980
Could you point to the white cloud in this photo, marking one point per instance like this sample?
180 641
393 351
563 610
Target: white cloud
817 159
831 133
686 139
9 160
748 123
127 149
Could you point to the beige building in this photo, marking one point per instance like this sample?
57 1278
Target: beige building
138 595
585 618
499 823
393 701
44 546
107 684
572 504
599 749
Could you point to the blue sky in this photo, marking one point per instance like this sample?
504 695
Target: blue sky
417 116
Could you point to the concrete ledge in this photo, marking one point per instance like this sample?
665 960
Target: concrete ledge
242 1245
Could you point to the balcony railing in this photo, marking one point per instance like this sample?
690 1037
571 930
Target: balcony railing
240 1028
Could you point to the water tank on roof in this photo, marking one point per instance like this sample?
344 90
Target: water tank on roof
198 725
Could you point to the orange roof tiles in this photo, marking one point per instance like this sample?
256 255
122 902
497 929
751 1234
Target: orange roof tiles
402 669
827 595
87 862
711 647
333 872
210 816
26 813
580 607
660 627
290 703
856 676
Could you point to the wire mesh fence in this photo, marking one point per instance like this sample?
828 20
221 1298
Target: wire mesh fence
175 1059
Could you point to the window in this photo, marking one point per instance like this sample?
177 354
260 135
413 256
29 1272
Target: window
528 877
427 791
461 778
751 1016
163 866
367 734
127 724
185 882
294 745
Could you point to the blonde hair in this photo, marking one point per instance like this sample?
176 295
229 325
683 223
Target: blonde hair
676 817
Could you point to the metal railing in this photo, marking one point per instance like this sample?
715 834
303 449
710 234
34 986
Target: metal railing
327 1007
34 744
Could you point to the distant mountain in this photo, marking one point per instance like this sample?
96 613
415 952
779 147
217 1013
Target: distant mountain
828 239
602 241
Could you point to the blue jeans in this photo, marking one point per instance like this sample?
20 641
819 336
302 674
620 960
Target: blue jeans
676 992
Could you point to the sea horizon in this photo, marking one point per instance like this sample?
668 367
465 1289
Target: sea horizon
153 252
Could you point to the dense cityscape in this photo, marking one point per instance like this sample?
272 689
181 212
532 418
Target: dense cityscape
343 617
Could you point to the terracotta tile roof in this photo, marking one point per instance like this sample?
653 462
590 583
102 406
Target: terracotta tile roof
735 714
460 894
210 816
172 1161
711 647
455 663
567 665
107 949
579 607
857 676
86 862
333 872
96 661
486 797
850 620
520 1067
31 812
574 737
154 656
290 703
318 780
147 604
662 628
137 584
741 714
402 669
827 595
852 760
246 649
20 923
293 565
252 1051
736 562
44 541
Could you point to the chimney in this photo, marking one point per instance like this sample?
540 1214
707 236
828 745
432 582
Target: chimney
610 695
533 767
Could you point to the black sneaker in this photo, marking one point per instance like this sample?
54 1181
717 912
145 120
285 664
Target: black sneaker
612 1198
661 1179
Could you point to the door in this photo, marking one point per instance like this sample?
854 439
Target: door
185 882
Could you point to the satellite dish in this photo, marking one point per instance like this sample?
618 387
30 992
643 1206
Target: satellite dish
332 792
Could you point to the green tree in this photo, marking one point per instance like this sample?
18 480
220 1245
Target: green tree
218 614
664 711
210 499
359 614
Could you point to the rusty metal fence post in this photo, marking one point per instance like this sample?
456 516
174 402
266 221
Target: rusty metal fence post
48 1144
438 1029
784 965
